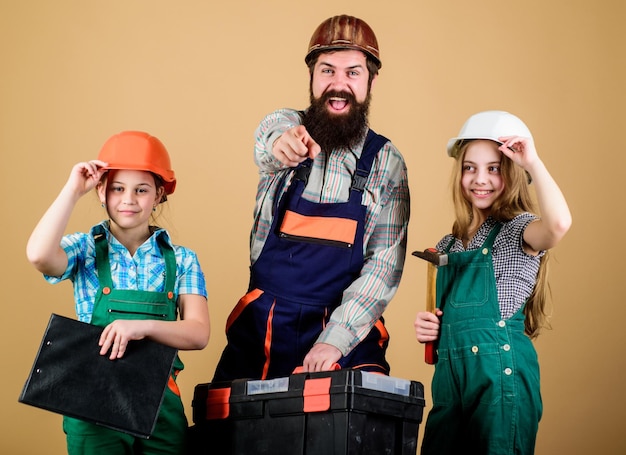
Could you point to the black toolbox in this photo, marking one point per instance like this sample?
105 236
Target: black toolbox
325 413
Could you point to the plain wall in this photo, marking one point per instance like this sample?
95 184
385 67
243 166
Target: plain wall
200 75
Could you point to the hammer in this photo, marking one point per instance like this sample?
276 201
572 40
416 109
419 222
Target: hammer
435 259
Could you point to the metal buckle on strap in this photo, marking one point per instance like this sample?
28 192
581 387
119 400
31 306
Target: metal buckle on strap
359 180
303 171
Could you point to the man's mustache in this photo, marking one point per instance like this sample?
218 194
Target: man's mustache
335 94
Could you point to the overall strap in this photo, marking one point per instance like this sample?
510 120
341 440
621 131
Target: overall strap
102 261
303 169
449 245
488 243
373 143
170 267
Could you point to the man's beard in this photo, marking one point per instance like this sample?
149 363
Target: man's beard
337 131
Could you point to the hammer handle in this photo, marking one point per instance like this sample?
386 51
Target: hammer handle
430 352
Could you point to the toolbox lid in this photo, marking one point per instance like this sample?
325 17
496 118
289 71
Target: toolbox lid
370 381
267 386
374 381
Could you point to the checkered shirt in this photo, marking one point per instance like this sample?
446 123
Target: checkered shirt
145 270
515 271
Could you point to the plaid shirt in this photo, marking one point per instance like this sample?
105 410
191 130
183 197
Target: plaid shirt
386 197
515 271
144 271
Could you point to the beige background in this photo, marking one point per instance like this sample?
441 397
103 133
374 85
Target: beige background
200 75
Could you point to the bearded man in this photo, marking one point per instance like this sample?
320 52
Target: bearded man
329 237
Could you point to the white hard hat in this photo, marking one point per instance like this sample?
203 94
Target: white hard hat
488 125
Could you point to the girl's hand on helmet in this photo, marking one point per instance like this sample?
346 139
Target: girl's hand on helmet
85 176
521 150
294 146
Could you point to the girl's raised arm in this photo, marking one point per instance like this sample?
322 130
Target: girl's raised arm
555 217
44 245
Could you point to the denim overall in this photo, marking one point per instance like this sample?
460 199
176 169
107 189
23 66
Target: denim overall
313 252
486 397
169 435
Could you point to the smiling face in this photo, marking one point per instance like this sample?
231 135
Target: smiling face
130 197
340 90
481 179
340 72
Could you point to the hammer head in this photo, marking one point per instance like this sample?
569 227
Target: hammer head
433 256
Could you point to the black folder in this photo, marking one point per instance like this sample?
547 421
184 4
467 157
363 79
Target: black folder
70 377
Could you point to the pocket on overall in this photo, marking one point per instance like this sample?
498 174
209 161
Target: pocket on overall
471 285
479 369
444 390
124 309
321 230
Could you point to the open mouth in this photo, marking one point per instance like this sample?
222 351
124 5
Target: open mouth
337 103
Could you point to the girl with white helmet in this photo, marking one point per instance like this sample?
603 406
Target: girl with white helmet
122 264
491 295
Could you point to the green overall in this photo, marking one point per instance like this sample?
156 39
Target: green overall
486 397
169 435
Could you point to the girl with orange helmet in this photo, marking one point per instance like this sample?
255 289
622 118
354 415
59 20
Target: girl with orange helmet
123 263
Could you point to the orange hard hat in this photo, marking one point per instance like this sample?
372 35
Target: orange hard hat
139 151
344 32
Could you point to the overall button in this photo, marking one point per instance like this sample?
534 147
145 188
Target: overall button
474 349
508 371
501 323
485 251
506 347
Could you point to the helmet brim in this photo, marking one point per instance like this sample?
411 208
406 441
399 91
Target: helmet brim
169 180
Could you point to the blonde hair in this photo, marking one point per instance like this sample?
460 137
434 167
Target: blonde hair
514 200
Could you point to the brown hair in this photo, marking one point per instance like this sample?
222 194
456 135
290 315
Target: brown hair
514 200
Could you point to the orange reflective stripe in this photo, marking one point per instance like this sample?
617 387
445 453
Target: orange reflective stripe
241 305
384 335
319 227
268 341
171 383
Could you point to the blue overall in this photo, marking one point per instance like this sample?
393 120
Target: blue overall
298 280
169 435
485 388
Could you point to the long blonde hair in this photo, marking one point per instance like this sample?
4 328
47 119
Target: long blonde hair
514 200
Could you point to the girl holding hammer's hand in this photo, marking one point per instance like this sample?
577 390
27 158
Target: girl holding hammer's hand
492 292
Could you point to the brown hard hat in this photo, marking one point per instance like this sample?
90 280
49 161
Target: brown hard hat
344 32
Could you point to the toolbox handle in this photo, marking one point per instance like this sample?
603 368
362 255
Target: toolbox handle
300 369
